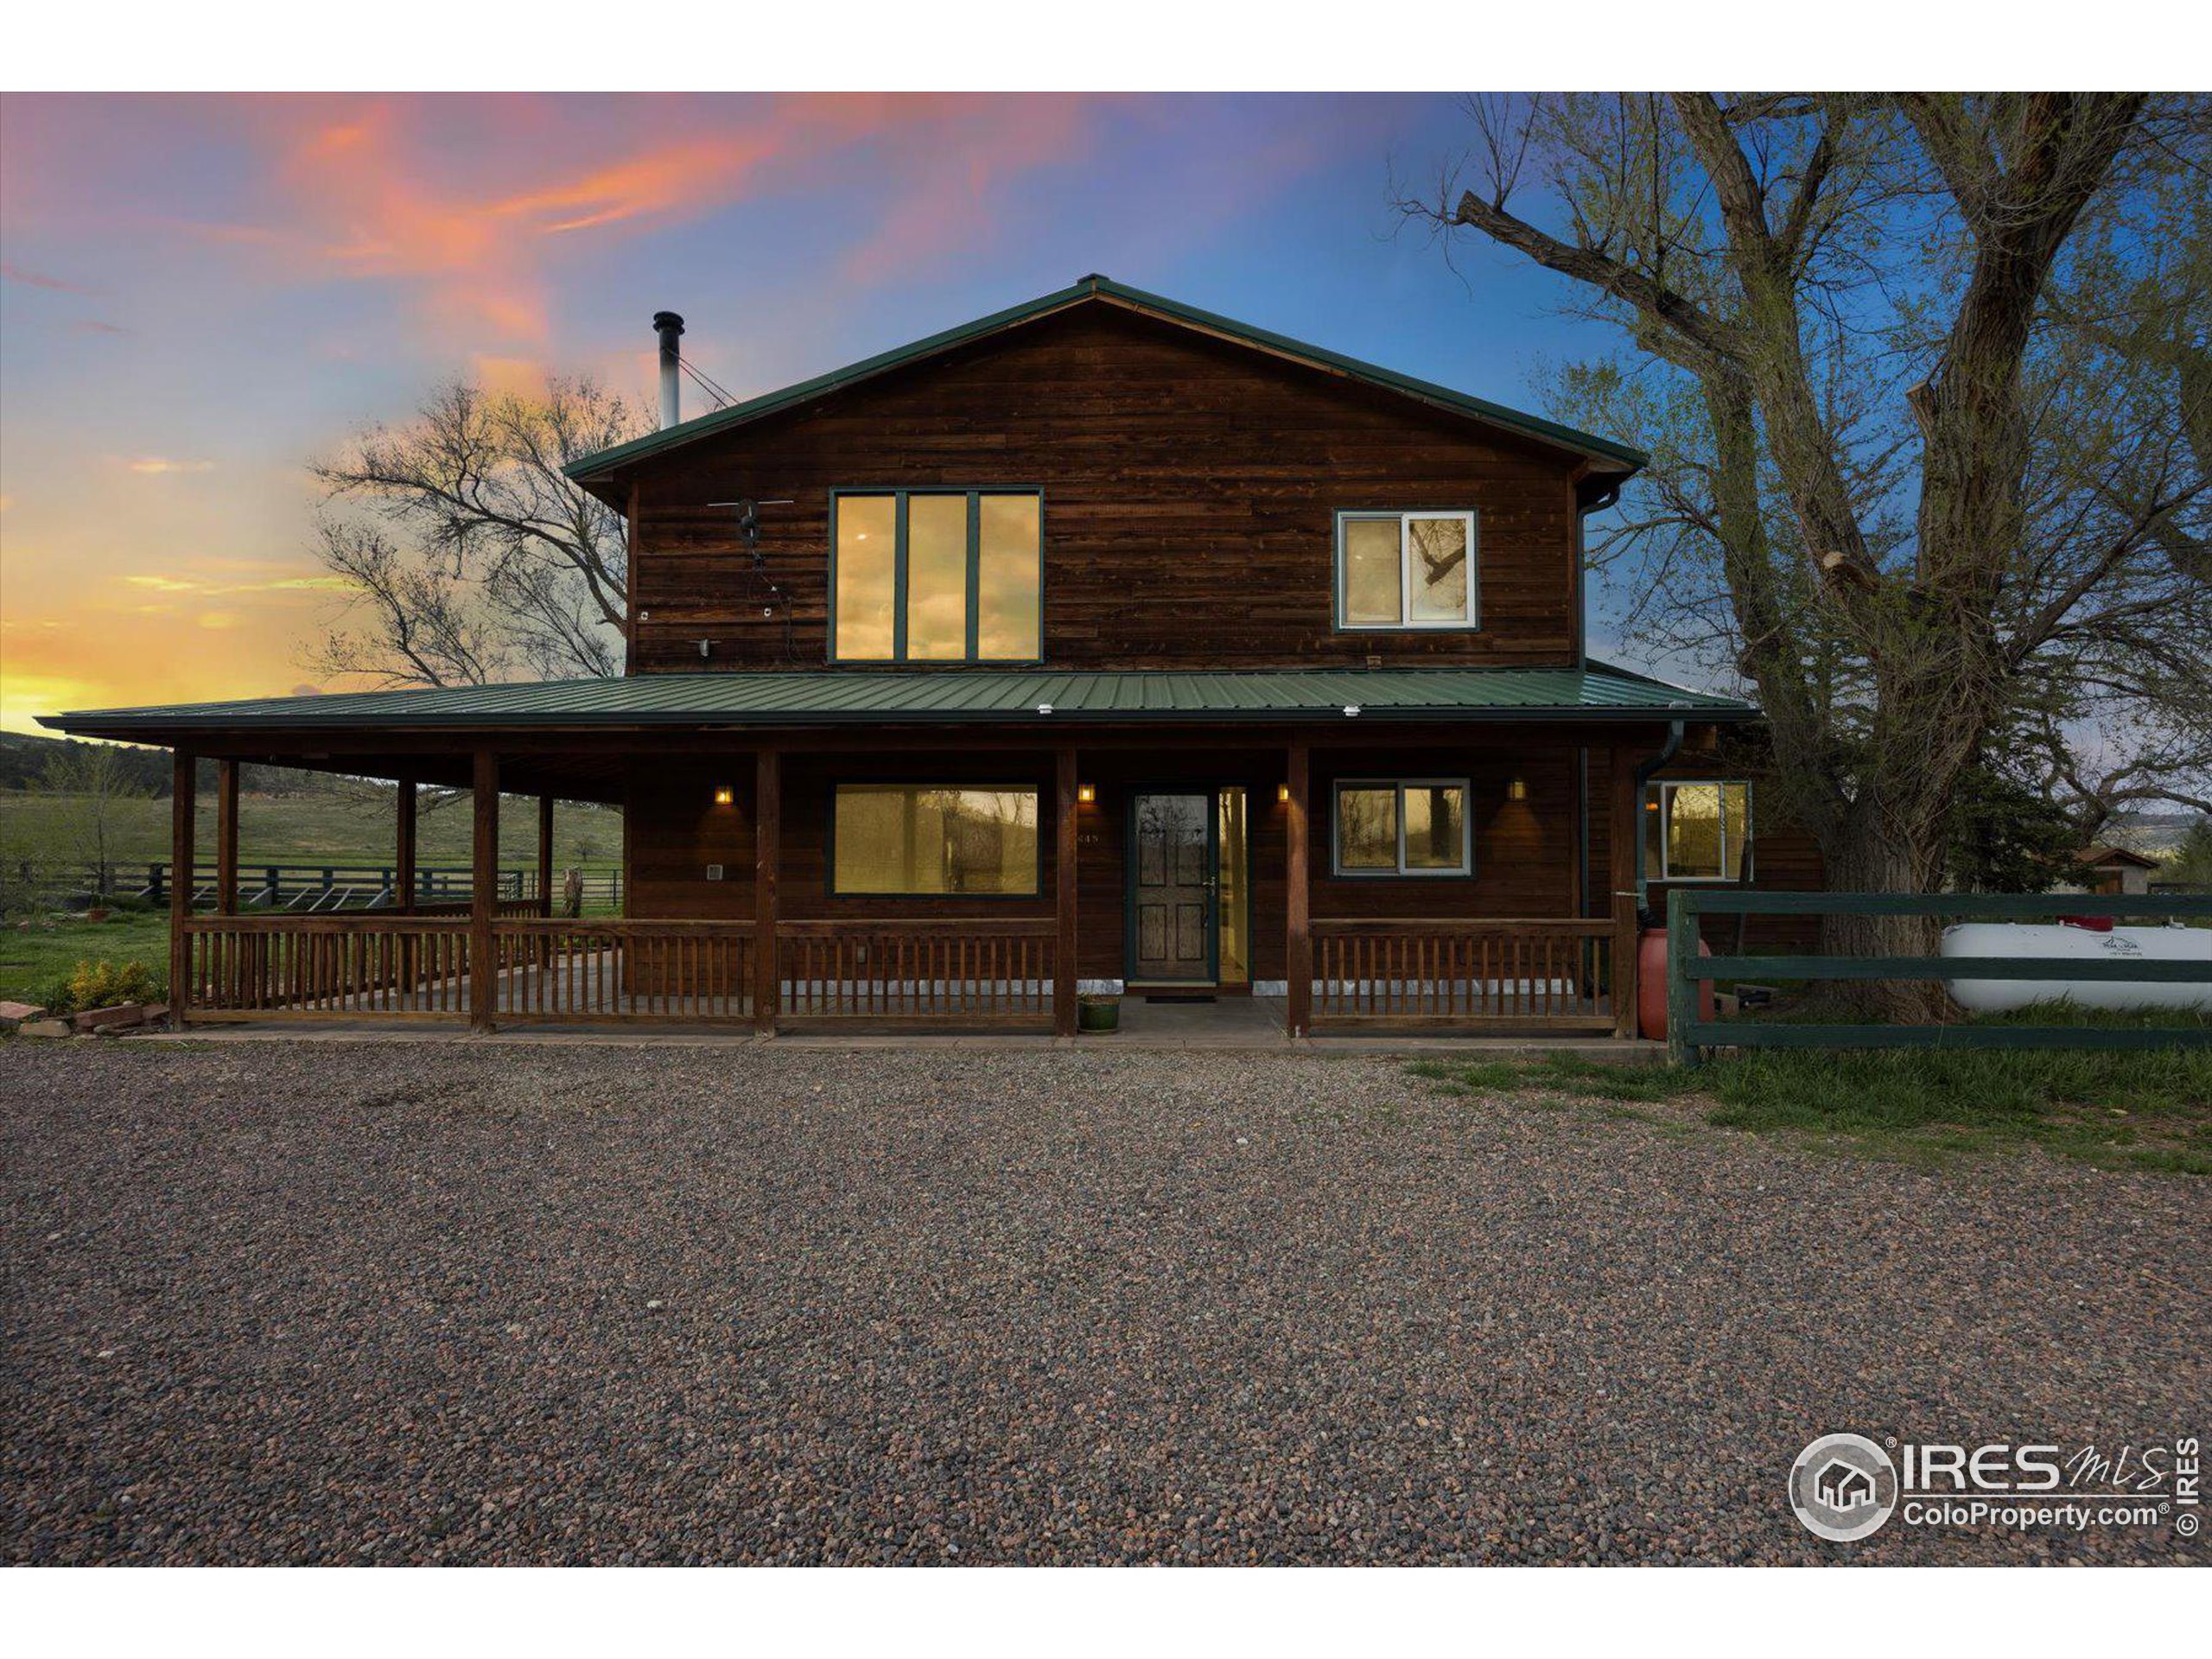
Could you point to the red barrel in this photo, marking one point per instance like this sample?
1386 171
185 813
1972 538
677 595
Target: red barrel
1651 984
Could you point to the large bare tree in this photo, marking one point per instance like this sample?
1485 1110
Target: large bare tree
468 556
1895 490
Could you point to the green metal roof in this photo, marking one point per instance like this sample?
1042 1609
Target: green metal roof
1089 289
953 697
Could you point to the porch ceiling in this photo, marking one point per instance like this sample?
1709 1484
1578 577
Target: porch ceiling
874 697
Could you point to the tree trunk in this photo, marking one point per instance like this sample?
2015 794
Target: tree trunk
1867 855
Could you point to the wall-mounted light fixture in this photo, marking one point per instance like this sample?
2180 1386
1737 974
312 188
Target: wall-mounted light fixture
1086 794
724 795
1518 789
1282 794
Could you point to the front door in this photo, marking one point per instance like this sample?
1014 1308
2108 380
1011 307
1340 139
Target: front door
1172 889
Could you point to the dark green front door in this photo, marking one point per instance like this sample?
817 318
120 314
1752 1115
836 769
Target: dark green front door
1172 888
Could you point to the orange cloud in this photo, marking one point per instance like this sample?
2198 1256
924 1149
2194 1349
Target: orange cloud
155 465
383 190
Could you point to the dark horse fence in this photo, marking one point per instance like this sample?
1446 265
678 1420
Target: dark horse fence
309 888
1688 1035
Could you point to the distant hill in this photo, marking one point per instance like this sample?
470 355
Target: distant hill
24 758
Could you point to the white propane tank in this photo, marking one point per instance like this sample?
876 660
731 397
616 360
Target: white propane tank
2056 940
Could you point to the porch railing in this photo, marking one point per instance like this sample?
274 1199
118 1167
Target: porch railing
1555 975
1546 974
315 967
953 972
623 970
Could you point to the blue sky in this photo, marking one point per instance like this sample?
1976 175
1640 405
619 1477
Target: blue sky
202 292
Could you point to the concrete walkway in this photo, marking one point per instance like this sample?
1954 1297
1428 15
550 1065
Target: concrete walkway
656 1036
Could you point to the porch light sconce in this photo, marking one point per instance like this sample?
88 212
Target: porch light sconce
724 795
1282 794
1086 794
1518 789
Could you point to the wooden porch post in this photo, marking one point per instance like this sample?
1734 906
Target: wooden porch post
403 879
1299 958
1064 963
226 837
1627 824
767 853
183 814
545 855
483 893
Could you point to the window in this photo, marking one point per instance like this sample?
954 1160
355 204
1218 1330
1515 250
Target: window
936 576
922 838
1697 831
1413 827
1406 569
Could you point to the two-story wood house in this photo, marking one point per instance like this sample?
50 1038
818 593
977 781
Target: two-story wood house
1100 644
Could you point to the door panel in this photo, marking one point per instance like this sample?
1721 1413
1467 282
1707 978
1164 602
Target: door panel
1172 889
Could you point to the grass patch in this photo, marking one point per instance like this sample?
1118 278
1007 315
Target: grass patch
2146 1110
33 959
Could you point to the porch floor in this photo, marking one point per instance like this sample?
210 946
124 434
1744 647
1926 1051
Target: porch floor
1230 1023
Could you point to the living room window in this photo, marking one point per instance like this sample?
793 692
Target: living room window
1697 830
1406 569
936 575
932 838
1402 826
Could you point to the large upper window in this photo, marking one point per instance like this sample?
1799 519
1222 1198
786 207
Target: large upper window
932 838
1408 827
936 576
1406 569
1697 831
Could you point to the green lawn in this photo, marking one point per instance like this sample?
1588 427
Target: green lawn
32 959
2149 1109
330 829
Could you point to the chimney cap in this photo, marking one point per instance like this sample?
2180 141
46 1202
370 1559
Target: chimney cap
668 319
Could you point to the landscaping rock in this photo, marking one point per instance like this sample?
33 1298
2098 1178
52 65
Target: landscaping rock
122 1015
45 1028
15 1014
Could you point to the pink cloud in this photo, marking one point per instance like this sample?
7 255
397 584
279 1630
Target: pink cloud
15 273
473 206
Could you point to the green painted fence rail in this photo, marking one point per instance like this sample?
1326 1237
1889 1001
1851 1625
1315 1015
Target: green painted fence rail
1687 1036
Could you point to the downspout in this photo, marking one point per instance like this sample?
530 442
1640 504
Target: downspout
1668 751
1612 493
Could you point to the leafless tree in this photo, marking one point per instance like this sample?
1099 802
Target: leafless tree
1898 490
468 556
88 784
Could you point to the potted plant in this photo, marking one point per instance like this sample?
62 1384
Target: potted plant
1098 1011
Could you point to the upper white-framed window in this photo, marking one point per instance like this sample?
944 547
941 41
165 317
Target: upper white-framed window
1698 829
1407 570
1401 826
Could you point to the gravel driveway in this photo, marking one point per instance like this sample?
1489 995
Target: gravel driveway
402 1302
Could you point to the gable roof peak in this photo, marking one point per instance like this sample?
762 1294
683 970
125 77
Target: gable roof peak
1617 460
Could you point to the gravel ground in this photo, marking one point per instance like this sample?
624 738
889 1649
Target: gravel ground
392 1303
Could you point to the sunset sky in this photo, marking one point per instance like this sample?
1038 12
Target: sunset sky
202 293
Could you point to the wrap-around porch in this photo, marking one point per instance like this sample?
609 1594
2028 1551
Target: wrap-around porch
740 915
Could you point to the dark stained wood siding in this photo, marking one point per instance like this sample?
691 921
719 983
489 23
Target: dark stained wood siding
1523 849
1784 856
1190 488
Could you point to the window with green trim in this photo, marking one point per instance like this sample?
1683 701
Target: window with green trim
936 575
928 838
1411 826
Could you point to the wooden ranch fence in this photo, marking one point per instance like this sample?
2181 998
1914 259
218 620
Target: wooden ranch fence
1687 1036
